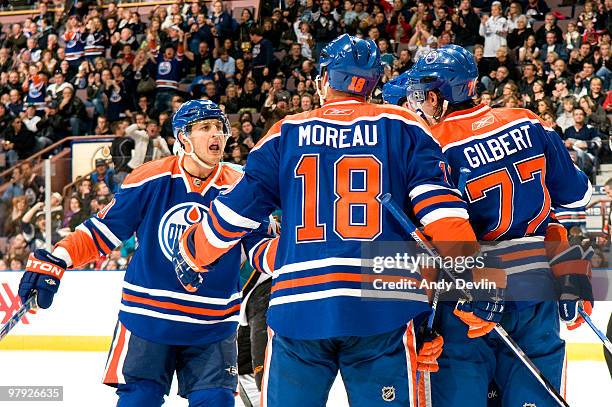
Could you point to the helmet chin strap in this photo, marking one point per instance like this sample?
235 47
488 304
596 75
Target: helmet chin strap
194 156
322 92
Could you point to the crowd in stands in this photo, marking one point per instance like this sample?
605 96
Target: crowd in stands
112 70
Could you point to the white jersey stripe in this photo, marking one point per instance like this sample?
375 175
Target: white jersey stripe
441 213
212 237
124 351
106 232
154 292
348 292
234 218
424 188
178 318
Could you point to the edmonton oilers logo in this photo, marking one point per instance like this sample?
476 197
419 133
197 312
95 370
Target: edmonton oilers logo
164 68
175 221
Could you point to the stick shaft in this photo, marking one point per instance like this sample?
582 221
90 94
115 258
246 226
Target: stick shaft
606 342
14 320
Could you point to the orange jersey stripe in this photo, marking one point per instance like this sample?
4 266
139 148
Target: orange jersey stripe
182 308
103 245
434 200
336 277
205 250
151 169
522 254
81 248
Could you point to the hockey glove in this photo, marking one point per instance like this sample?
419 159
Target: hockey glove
487 306
429 349
187 271
43 274
572 270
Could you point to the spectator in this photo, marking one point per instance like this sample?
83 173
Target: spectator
325 24
52 126
466 26
595 115
121 149
84 193
494 29
250 134
571 38
582 135
262 54
566 117
550 25
536 10
225 64
551 46
16 186
104 174
18 138
148 144
58 84
168 75
72 110
33 184
33 225
74 214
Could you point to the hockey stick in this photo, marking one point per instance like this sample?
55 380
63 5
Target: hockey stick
10 324
403 220
606 342
463 176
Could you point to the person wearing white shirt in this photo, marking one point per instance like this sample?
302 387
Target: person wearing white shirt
494 30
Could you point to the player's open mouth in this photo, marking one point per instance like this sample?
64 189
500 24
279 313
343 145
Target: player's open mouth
214 146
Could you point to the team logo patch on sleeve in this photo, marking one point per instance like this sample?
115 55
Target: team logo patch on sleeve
175 221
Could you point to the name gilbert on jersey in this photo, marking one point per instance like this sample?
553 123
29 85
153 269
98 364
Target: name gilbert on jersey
360 135
497 148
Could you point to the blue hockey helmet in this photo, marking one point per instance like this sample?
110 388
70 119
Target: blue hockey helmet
352 64
196 110
450 69
395 90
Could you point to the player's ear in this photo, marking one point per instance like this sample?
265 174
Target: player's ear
433 99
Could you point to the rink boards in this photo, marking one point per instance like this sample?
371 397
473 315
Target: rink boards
85 309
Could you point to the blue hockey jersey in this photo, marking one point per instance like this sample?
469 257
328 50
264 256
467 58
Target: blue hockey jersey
327 170
158 201
520 170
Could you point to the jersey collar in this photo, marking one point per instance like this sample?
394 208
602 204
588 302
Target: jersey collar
198 185
344 101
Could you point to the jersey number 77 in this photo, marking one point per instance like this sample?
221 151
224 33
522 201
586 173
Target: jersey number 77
501 179
348 198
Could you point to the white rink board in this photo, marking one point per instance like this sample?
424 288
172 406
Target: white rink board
87 305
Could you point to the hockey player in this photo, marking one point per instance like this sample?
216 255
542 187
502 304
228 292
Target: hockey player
162 329
519 170
326 169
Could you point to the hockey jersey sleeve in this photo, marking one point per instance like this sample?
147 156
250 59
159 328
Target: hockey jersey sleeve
242 208
568 186
436 203
103 232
